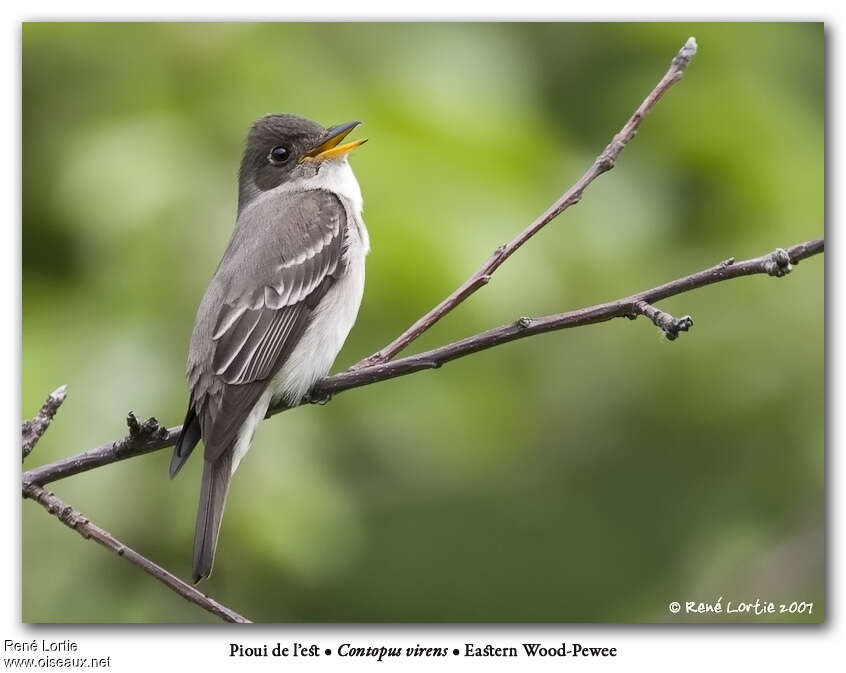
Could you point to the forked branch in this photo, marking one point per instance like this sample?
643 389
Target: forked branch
155 437
32 431
602 164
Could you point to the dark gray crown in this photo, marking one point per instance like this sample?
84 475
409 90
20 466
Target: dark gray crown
258 173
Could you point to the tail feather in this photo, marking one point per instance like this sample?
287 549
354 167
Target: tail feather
188 439
215 485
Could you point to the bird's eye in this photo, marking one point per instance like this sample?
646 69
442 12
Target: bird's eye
279 155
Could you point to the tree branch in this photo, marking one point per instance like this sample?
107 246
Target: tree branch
142 438
76 521
151 438
32 431
777 263
140 434
602 164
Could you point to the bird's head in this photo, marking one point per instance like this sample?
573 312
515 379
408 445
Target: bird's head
283 148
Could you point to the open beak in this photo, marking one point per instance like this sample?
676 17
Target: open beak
330 146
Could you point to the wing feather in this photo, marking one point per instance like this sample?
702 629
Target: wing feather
233 341
258 305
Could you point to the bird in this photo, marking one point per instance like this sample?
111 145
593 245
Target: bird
280 304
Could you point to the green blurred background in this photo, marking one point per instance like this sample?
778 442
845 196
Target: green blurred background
589 475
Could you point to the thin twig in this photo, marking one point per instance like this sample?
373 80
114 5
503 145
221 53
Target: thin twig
669 325
602 164
776 263
76 521
32 431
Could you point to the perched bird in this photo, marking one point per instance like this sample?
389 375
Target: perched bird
280 304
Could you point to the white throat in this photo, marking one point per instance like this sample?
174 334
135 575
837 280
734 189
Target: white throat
334 175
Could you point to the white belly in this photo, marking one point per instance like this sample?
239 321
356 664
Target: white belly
323 338
319 345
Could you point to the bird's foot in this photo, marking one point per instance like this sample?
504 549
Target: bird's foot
317 398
